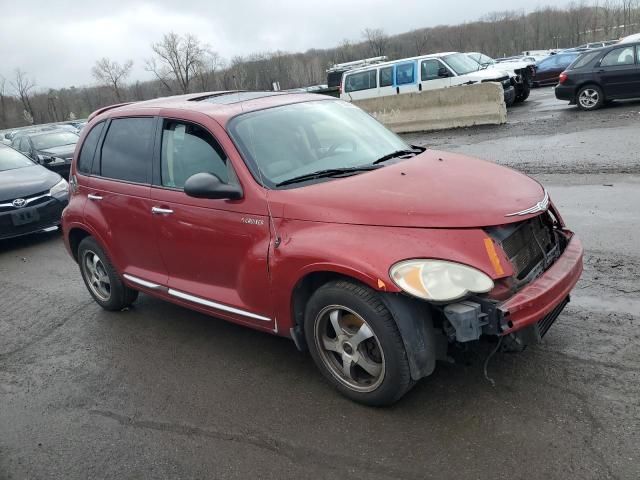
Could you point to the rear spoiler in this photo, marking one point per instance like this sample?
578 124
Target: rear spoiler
104 109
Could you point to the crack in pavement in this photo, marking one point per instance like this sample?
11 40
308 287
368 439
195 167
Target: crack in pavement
595 425
296 454
58 324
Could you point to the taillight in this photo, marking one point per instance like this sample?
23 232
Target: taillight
563 78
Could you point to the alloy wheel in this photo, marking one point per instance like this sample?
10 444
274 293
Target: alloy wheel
588 98
349 348
96 275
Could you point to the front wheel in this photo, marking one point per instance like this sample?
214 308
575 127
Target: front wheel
524 93
590 98
355 343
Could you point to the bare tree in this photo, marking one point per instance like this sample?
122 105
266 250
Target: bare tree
178 58
23 87
420 40
377 40
111 74
206 70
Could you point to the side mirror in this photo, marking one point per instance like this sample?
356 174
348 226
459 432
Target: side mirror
208 185
443 72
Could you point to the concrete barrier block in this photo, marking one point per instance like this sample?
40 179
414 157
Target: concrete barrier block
461 106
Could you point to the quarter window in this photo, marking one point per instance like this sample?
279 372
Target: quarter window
430 69
405 73
361 81
188 149
127 149
619 56
85 159
386 76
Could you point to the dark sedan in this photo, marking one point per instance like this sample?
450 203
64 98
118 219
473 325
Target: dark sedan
548 70
52 148
31 197
601 75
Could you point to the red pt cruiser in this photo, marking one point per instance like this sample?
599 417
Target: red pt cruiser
302 216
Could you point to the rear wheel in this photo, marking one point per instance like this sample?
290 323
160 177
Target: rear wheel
102 280
590 97
355 343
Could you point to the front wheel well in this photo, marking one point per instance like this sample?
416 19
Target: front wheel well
302 292
76 235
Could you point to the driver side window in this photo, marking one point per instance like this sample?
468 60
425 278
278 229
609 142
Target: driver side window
188 149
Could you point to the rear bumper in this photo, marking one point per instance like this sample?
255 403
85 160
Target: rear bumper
565 93
544 295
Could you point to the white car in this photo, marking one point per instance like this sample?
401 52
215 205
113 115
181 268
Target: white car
631 38
418 74
522 71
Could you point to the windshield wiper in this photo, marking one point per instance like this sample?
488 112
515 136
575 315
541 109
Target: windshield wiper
398 153
330 172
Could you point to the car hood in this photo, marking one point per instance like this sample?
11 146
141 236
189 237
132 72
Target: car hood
488 74
27 181
63 151
434 190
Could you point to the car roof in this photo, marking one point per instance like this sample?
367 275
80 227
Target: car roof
401 60
220 105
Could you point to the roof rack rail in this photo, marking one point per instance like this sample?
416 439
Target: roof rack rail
357 63
104 109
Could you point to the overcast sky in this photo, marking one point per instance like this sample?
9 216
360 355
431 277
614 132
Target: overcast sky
57 41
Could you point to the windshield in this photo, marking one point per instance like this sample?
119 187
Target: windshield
54 139
10 159
461 64
293 140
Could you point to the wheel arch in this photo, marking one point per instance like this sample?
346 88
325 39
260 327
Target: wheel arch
308 283
412 317
586 83
75 236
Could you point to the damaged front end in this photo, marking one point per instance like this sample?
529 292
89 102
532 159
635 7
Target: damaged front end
547 263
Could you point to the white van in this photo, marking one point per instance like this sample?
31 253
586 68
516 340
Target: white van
417 74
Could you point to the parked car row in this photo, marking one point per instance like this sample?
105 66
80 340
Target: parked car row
49 145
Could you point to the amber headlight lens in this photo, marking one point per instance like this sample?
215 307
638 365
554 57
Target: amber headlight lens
439 280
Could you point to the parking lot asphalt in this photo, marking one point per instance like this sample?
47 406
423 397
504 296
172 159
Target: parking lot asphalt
162 392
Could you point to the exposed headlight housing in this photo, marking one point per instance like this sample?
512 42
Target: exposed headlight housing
61 187
439 280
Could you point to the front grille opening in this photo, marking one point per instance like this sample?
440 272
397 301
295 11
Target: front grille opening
531 246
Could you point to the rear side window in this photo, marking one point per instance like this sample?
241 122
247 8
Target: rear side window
188 149
386 76
405 73
584 59
361 81
619 56
85 159
127 149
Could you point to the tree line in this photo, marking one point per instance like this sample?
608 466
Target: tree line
183 64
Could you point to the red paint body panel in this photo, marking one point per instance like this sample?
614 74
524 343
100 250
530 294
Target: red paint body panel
540 297
122 221
434 189
366 253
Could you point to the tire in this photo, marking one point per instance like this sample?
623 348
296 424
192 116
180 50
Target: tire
378 372
524 94
101 279
590 97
